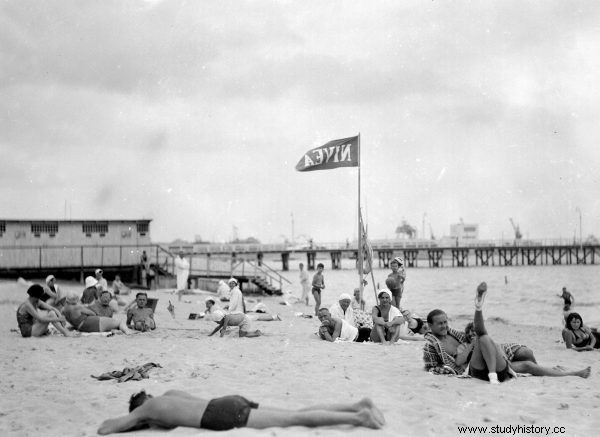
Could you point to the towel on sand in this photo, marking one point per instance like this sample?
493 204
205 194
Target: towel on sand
128 374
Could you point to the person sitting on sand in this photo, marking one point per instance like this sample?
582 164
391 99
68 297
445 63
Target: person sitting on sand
236 298
224 320
342 309
579 337
84 319
53 291
178 408
263 313
102 284
101 307
119 288
487 361
386 320
334 328
90 294
362 319
140 317
31 322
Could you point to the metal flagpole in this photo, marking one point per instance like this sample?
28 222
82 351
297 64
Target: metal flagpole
359 257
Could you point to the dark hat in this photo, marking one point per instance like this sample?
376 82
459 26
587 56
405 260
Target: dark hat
36 290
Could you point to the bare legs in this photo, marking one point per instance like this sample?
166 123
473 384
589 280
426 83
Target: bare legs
363 413
485 353
317 296
108 324
537 370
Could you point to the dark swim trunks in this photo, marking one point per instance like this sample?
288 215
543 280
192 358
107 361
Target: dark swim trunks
227 412
503 375
25 322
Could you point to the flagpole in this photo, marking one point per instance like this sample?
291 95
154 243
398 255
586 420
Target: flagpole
359 256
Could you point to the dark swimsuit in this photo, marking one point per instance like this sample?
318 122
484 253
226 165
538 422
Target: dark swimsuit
587 340
417 328
226 413
25 322
503 375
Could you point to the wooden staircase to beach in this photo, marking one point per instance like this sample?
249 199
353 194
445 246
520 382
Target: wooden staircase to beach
265 287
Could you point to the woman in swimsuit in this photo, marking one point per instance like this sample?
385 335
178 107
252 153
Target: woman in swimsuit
579 337
387 320
31 322
84 319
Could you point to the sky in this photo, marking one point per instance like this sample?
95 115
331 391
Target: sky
194 115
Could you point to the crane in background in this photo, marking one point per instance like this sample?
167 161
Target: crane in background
518 234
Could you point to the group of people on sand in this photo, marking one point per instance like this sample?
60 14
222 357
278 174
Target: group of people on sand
471 352
91 311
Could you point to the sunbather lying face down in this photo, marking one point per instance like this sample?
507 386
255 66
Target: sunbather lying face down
177 408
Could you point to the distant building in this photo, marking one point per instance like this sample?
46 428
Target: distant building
464 231
74 232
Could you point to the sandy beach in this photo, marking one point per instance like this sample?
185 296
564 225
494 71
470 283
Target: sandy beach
47 388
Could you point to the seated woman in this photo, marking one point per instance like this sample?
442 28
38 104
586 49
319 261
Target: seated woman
386 320
32 322
84 319
579 337
361 317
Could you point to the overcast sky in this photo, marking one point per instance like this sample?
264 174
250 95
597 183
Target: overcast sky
194 114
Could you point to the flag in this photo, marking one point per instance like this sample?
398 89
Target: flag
334 154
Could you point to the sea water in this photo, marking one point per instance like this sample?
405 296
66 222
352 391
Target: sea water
518 294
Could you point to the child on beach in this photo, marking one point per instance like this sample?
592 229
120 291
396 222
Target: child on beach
318 284
395 280
140 317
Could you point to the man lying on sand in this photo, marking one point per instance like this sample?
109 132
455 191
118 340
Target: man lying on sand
178 408
488 362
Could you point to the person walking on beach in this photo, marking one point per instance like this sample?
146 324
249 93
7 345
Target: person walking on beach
568 300
178 408
182 270
395 280
318 284
304 283
444 346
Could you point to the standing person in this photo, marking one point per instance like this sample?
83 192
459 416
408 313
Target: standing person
182 270
31 322
395 280
144 266
304 283
568 299
318 284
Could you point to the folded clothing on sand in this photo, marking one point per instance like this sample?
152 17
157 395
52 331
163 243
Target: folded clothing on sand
128 374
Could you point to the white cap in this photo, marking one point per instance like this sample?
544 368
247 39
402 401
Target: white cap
232 280
345 296
386 291
49 278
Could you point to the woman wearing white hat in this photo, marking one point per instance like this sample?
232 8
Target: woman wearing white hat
387 320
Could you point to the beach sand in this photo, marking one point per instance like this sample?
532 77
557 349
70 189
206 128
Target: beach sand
47 388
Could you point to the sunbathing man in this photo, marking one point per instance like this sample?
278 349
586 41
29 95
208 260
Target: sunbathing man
84 319
140 317
441 352
333 328
178 408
